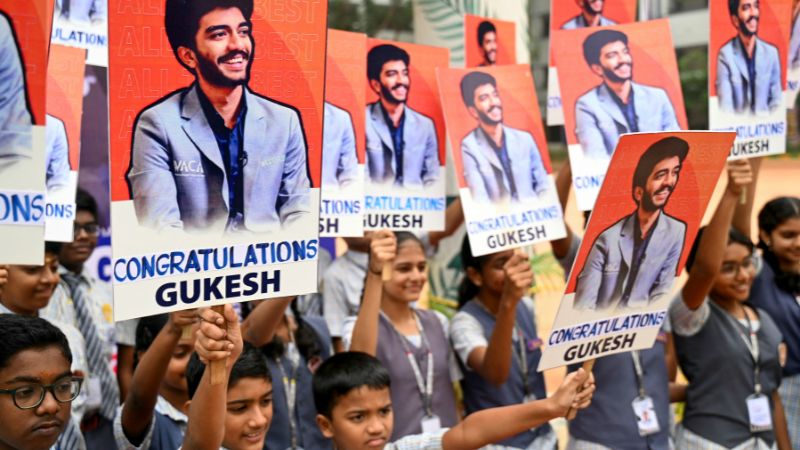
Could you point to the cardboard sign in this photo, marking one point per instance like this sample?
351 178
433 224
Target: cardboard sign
489 42
500 155
572 15
65 71
636 243
343 153
755 111
644 69
404 189
84 24
23 44
214 207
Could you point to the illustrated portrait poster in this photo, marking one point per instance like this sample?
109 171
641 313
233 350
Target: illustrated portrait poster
503 44
566 13
215 207
487 109
84 24
23 26
412 199
756 112
343 152
593 119
658 188
793 59
65 72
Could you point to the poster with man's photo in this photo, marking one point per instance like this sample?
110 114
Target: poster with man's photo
343 152
793 60
489 42
84 24
23 52
405 179
65 72
747 59
574 15
614 80
500 155
216 136
636 244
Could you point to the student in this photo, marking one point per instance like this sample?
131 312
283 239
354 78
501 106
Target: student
776 289
236 413
355 409
494 335
294 345
727 349
36 384
413 344
152 416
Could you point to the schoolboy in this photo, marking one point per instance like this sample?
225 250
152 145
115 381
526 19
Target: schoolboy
351 394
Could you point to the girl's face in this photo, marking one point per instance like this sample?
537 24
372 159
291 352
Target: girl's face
736 275
784 241
491 277
409 273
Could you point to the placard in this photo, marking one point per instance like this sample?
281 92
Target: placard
636 244
23 45
489 42
756 111
573 15
84 24
634 61
500 155
65 71
404 190
343 152
216 136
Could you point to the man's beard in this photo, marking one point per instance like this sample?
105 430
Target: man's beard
587 7
613 77
388 95
484 117
213 75
650 206
743 26
490 56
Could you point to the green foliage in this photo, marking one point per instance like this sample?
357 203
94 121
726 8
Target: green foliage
370 18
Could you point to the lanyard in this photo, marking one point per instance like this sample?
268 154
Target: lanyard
637 367
522 356
751 342
425 386
290 385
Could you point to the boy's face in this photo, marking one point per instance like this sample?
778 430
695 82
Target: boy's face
361 419
175 378
249 414
35 428
29 288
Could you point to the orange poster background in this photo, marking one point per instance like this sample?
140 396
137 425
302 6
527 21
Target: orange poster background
774 27
506 41
345 75
699 174
423 95
65 70
520 108
29 19
288 66
654 64
620 11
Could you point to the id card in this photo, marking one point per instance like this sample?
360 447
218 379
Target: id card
759 412
94 395
431 424
646 418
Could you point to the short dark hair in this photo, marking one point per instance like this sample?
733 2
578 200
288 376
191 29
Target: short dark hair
403 236
344 372
380 55
483 28
733 7
182 19
147 329
668 147
595 42
251 364
734 237
468 290
471 82
85 202
20 333
53 247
